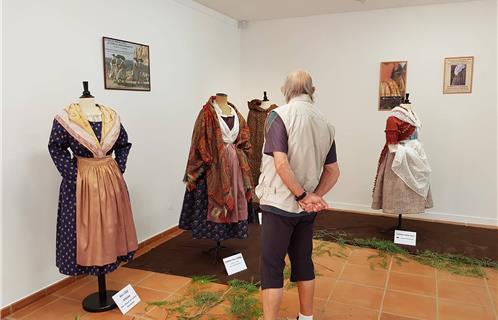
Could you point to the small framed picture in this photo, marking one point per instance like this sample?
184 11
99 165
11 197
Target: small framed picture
392 84
126 65
458 72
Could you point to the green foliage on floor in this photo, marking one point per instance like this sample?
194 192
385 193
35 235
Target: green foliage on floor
456 264
199 301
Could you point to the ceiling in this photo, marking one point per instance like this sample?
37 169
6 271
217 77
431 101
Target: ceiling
277 9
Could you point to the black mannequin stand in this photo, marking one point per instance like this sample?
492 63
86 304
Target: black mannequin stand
265 97
217 252
100 301
398 227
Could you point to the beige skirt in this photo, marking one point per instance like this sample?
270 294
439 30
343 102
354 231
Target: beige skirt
104 223
392 195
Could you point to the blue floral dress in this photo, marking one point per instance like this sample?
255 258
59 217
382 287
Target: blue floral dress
64 149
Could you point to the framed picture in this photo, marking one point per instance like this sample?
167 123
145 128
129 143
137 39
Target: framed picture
458 72
392 86
126 65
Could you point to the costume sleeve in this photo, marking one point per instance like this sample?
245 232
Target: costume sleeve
122 149
276 138
58 147
332 155
199 154
244 139
392 130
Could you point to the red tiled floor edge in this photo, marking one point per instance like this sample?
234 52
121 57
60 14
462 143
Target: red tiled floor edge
10 309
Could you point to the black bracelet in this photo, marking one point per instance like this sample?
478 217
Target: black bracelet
301 197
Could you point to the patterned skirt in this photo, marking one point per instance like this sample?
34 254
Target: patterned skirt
194 217
393 196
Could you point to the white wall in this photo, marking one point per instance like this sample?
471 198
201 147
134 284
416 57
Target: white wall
49 48
343 53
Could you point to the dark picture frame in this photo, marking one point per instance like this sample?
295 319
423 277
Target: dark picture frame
126 65
392 84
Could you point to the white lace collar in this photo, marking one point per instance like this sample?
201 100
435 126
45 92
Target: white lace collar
229 135
406 116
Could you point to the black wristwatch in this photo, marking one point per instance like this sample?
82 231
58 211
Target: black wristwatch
301 197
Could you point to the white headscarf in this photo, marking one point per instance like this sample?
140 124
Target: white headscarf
406 116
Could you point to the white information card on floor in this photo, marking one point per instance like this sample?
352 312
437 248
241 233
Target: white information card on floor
126 299
408 238
235 264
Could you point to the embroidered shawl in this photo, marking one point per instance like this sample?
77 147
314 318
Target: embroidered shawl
76 124
206 157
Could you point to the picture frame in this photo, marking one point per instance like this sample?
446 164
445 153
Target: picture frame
458 75
392 84
126 65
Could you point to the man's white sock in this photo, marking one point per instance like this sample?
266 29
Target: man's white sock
303 317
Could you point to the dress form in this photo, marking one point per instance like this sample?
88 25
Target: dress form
222 101
89 108
100 301
407 105
265 103
88 105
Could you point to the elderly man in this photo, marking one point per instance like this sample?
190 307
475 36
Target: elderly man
299 167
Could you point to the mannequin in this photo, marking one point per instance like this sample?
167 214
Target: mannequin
222 101
407 105
256 120
265 103
224 168
88 106
89 147
402 184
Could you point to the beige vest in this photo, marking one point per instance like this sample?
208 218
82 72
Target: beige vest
310 138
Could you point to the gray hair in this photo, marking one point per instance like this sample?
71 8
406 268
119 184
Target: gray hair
296 84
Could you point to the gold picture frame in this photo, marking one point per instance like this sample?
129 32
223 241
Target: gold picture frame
458 75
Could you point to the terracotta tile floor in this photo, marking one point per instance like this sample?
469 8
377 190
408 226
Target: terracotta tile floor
350 285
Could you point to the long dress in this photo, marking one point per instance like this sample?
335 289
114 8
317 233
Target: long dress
64 150
196 215
393 192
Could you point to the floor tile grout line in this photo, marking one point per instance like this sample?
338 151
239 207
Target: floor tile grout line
74 289
164 291
394 290
155 307
335 282
405 316
463 282
412 274
406 292
353 305
437 294
37 309
145 278
385 289
493 303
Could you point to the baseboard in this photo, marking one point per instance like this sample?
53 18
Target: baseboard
16 306
427 216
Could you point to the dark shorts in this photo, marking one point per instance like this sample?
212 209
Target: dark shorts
282 235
